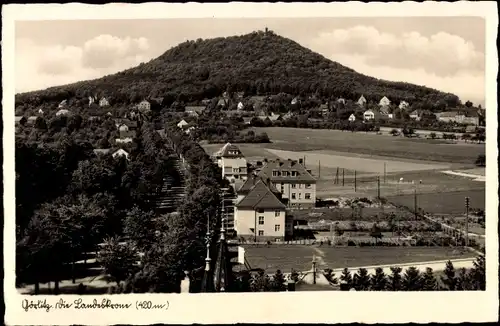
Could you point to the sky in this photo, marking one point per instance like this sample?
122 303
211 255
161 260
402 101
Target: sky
446 53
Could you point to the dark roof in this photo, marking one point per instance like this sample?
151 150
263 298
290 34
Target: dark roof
290 165
226 149
127 134
197 109
260 197
252 181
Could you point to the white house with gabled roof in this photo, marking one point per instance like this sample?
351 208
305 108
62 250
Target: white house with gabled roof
182 124
232 162
361 101
384 101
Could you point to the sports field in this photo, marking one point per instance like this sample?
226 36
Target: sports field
299 258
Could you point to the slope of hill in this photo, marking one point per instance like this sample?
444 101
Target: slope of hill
257 63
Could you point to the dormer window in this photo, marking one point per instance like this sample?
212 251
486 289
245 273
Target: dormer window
276 173
294 173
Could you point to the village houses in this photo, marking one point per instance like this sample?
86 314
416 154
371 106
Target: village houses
290 177
352 118
232 162
384 101
362 101
417 115
182 124
121 152
471 118
103 102
144 106
62 112
194 111
369 115
403 105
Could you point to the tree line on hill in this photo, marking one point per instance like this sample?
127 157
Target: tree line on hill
258 63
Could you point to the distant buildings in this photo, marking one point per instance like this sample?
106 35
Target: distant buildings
368 115
182 124
384 101
62 104
121 152
103 102
296 184
194 111
62 112
362 101
232 162
144 106
471 118
403 105
352 118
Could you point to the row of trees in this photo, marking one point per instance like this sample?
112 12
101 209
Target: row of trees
170 243
84 200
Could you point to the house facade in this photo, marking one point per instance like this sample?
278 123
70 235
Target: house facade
261 216
121 152
296 184
384 101
182 124
144 106
368 115
62 112
361 101
232 162
403 105
459 117
194 111
103 102
352 117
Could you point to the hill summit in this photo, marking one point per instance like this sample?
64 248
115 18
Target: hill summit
257 63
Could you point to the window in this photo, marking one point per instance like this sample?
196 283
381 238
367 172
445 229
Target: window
294 173
261 232
294 185
277 213
300 185
300 195
236 170
277 228
275 173
308 186
261 220
293 195
308 195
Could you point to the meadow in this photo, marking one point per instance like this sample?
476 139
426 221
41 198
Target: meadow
298 140
299 258
443 203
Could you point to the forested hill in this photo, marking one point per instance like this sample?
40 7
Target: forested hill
257 63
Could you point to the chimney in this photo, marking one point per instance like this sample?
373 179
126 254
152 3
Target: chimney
301 161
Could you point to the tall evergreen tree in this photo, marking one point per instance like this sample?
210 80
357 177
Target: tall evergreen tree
429 282
346 278
478 274
463 280
395 279
449 279
412 280
361 280
378 280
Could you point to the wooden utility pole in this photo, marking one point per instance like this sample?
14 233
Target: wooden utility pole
319 169
415 202
337 177
343 177
467 204
385 171
378 187
355 181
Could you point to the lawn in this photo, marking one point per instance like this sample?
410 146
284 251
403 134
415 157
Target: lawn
443 203
299 257
296 139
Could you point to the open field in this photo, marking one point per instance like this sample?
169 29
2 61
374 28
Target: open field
296 139
360 164
299 257
443 203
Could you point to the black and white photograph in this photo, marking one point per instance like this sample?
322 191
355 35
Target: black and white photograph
195 155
